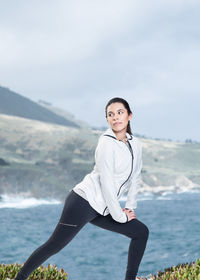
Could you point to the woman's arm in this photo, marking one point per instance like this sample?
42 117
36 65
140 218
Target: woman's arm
104 158
131 202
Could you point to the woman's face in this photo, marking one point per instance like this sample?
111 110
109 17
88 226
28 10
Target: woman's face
117 116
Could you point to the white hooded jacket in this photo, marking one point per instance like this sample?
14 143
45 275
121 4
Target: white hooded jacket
117 170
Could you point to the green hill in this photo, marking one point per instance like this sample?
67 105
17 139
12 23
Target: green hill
48 159
170 166
42 158
14 104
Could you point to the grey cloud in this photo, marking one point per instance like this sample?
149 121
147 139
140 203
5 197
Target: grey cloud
145 51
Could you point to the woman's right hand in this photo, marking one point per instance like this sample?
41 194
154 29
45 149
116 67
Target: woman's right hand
130 213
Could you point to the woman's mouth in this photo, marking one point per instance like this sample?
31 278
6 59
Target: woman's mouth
117 123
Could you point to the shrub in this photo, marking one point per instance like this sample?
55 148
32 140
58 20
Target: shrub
43 273
186 271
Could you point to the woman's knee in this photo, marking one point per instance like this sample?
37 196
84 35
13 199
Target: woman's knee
139 230
145 232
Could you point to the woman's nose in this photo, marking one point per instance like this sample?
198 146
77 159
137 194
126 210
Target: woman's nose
115 118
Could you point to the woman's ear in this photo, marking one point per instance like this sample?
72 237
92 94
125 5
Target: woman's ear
130 116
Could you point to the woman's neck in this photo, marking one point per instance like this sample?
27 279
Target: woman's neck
121 135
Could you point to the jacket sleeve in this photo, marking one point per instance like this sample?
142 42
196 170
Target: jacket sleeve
104 158
131 202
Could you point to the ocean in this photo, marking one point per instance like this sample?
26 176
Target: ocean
173 220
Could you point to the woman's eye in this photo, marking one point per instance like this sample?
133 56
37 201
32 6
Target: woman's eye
111 115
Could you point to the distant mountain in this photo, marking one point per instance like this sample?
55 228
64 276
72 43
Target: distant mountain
63 113
70 116
45 151
14 104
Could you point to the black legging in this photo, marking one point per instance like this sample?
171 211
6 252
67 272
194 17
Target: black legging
76 213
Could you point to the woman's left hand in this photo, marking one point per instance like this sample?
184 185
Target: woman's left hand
128 211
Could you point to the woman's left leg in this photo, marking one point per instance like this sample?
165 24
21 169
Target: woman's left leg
134 229
76 213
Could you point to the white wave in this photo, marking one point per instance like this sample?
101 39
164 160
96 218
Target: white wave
141 197
164 198
189 191
146 196
165 195
22 201
164 256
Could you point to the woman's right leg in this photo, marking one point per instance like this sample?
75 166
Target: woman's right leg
136 231
76 213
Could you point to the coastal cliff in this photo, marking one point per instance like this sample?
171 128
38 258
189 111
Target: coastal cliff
46 159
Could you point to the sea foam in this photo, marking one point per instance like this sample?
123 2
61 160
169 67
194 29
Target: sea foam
165 195
23 201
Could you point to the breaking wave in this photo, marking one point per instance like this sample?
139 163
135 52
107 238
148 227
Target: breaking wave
23 201
165 195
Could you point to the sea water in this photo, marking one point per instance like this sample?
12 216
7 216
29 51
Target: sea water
95 253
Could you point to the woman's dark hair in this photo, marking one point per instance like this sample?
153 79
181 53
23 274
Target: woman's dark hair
126 105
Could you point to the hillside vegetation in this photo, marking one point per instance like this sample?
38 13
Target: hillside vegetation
44 159
48 159
170 166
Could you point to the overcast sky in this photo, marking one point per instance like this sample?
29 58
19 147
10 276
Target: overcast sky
79 54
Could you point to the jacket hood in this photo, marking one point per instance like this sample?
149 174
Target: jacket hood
110 132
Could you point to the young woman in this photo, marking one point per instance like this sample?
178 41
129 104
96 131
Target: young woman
117 170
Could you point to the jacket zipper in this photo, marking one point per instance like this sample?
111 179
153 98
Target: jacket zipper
130 149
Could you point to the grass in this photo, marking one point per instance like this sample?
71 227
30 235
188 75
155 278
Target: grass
185 271
9 271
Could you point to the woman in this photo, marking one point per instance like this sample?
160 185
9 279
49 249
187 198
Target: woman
117 169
